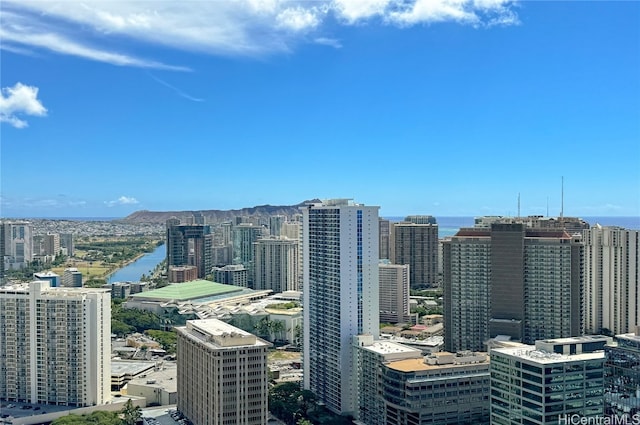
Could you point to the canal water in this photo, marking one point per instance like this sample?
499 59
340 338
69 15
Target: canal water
143 265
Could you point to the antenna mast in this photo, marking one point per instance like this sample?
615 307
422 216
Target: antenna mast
518 204
562 199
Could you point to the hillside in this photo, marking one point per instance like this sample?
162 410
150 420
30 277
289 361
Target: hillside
214 216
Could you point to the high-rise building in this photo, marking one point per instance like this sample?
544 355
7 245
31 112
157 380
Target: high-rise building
189 245
222 374
385 239
276 264
66 242
554 382
420 219
611 273
231 274
72 278
512 280
244 235
340 296
416 245
56 344
394 292
439 389
52 244
370 356
275 224
622 375
17 244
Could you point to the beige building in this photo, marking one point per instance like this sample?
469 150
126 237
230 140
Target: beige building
275 264
222 374
55 345
394 293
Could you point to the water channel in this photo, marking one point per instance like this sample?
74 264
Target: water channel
143 265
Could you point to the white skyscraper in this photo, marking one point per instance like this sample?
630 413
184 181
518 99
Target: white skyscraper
340 296
55 344
612 297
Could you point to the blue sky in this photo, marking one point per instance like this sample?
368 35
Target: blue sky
442 107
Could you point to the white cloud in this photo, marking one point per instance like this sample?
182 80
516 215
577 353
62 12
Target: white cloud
298 18
17 100
123 200
104 30
355 10
325 41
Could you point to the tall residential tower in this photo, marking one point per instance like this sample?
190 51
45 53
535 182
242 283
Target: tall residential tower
340 296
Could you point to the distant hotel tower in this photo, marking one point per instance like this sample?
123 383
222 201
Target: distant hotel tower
416 243
394 292
612 292
510 279
222 374
276 264
189 245
56 345
340 296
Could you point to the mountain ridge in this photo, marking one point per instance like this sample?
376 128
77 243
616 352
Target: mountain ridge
215 216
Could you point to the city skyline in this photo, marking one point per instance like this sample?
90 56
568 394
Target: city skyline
448 108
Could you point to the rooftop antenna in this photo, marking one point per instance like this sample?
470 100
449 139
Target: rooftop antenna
518 204
562 199
547 206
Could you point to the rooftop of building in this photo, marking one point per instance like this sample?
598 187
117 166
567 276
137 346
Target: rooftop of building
45 287
130 367
217 334
439 361
388 347
530 353
576 339
163 376
192 290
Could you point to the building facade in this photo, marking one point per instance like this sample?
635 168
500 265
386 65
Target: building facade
370 357
72 278
56 345
189 245
222 374
340 296
511 280
385 239
394 293
551 382
276 264
622 375
17 241
416 245
244 235
612 296
232 274
440 389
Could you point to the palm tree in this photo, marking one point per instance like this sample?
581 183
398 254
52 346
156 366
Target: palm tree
277 326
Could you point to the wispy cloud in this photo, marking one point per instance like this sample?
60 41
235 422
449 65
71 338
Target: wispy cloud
175 89
328 42
91 28
20 100
123 200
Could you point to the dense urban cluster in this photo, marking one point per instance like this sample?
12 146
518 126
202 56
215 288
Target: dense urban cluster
333 315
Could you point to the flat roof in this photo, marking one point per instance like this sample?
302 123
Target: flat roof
531 354
388 347
416 365
164 377
123 367
188 291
